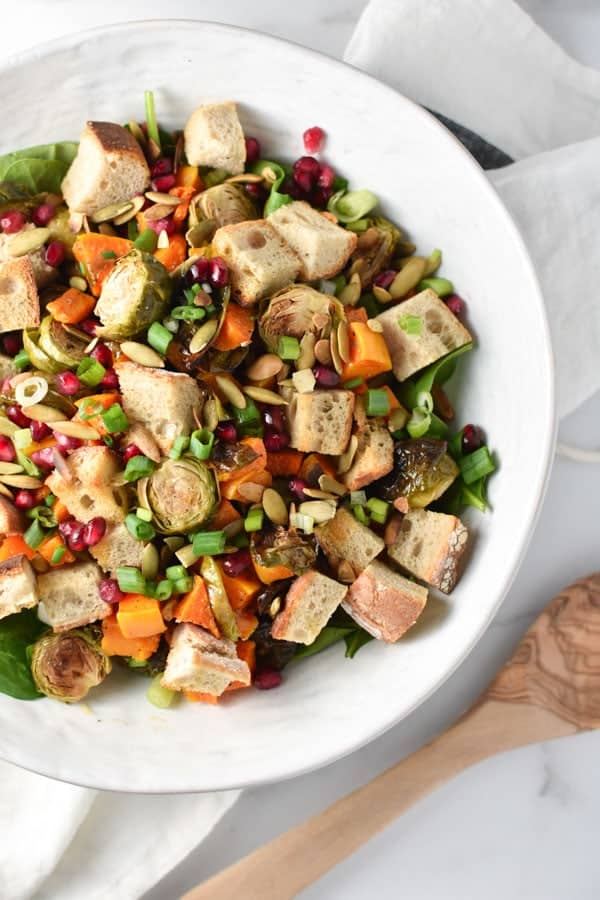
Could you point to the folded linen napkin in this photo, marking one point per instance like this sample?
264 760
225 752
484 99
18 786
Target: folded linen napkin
531 98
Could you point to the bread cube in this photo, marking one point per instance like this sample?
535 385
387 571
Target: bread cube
384 603
374 455
11 518
19 301
197 661
309 604
70 596
110 167
321 421
89 493
213 137
260 262
441 332
323 247
430 545
117 548
18 586
345 540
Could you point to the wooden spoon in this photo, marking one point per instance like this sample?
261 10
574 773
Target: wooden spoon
550 688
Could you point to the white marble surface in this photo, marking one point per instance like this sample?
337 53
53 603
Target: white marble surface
523 825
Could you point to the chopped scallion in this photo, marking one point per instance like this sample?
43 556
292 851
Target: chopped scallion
131 580
354 383
254 520
57 556
378 402
146 241
21 360
201 443
158 695
477 465
151 123
188 313
144 514
138 467
183 585
90 371
159 337
209 543
358 498
138 528
411 325
180 445
115 419
360 515
289 347
163 590
442 286
379 510
34 535
173 573
419 423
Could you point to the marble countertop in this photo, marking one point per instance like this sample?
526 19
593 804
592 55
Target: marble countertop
524 824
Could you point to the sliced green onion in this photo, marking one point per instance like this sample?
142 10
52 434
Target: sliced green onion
201 443
455 445
109 254
360 515
438 429
188 313
351 206
248 415
57 556
379 510
209 543
29 467
419 423
254 520
276 198
180 445
289 347
239 540
49 501
163 590
110 442
139 529
159 696
411 325
34 535
477 465
183 585
358 226
358 498
159 337
131 580
22 438
442 286
378 402
425 401
302 522
474 494
138 467
21 360
354 383
151 123
44 516
146 241
90 371
144 514
440 371
175 572
434 261
115 419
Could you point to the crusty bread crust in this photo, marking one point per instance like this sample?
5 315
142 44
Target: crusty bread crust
309 604
197 661
322 246
116 139
430 546
374 456
345 540
384 603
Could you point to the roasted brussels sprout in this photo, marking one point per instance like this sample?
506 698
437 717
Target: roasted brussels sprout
59 344
228 458
374 250
218 599
181 494
271 653
65 666
135 294
186 352
223 204
281 547
298 310
422 472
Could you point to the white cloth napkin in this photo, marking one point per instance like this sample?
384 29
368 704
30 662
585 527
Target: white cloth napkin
485 64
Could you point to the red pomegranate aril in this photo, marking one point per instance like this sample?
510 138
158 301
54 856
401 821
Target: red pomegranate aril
159 225
252 150
110 380
268 679
385 278
297 487
17 416
305 181
25 499
326 176
130 451
163 183
198 272
162 166
275 440
75 540
12 343
7 450
66 442
110 591
44 458
226 431
455 304
55 254
12 221
43 214
102 354
67 383
273 416
314 138
326 377
218 273
472 438
257 192
321 197
94 531
39 431
89 326
236 563
309 165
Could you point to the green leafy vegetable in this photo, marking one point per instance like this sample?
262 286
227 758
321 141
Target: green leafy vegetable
17 633
355 641
329 635
352 205
39 169
151 122
275 199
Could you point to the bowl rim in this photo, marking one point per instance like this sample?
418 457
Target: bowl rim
547 439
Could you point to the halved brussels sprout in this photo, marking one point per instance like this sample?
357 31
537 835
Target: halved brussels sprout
422 472
281 547
298 310
135 294
192 361
218 599
223 204
59 344
374 249
37 357
65 666
181 494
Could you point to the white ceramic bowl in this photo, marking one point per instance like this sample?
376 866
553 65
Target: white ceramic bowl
328 705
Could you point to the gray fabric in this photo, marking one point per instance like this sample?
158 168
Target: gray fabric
488 156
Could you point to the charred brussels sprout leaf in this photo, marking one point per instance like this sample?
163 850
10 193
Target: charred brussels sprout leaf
298 310
135 294
271 653
284 548
218 599
374 250
181 494
66 666
422 472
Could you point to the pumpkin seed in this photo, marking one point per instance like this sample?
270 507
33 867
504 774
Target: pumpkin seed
232 529
76 430
158 211
335 353
433 262
136 205
153 149
350 294
274 506
323 352
203 336
27 241
150 561
408 277
47 414
375 326
264 367
306 360
79 283
251 492
327 483
137 133
285 371
140 436
232 392
7 428
381 294
163 240
7 468
346 459
345 572
110 212
4 492
275 607
343 339
142 354
319 510
245 178
397 419
262 395
159 197
318 494
175 542
21 481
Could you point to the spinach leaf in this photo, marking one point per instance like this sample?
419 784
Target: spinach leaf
17 633
39 169
356 640
329 636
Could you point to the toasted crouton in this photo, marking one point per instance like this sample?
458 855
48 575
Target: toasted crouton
346 541
19 301
110 167
18 586
11 518
430 545
10 251
260 262
89 491
197 661
384 603
441 332
310 602
323 247
162 401
70 596
117 548
321 422
7 367
213 137
374 456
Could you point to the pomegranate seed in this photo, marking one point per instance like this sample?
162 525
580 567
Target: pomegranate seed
218 272
321 197
17 416
472 438
12 220
314 138
226 431
162 166
198 273
7 450
268 679
273 416
75 539
25 499
110 591
130 451
94 531
39 431
297 486
110 380
455 304
66 442
67 383
12 343
43 458
305 181
326 177
89 326
275 440
55 253
257 192
236 563
290 187
252 149
159 225
309 165
42 215
385 278
326 377
163 183
102 354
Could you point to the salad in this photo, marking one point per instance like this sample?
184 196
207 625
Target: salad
225 442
